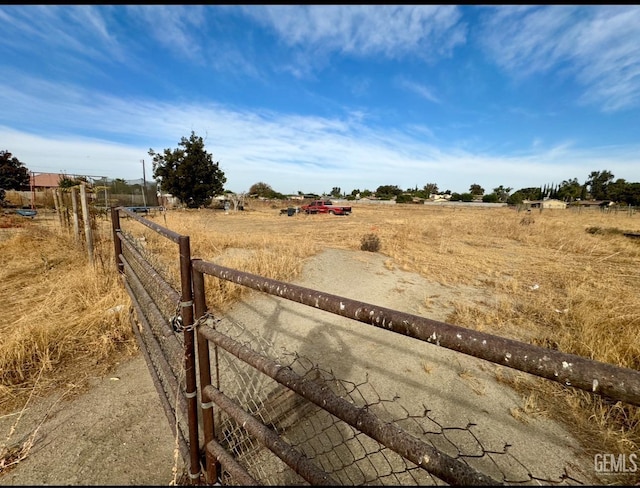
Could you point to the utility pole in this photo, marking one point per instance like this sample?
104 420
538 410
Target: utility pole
144 186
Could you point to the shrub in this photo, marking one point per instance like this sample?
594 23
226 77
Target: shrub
404 199
370 242
490 198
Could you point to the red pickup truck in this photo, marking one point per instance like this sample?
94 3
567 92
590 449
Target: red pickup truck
325 206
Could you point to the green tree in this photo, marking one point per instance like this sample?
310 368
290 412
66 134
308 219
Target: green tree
598 183
617 189
336 192
188 172
569 190
476 190
387 192
261 189
502 193
461 197
491 198
14 175
530 193
119 185
404 198
430 188
516 198
631 194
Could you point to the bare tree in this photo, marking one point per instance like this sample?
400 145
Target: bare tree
237 199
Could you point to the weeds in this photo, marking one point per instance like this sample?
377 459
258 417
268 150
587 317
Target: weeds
604 231
370 242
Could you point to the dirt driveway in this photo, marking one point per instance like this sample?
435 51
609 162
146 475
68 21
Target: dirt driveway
118 434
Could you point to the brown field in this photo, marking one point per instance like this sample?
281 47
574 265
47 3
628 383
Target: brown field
557 278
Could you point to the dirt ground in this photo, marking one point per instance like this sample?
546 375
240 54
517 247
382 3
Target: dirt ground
118 434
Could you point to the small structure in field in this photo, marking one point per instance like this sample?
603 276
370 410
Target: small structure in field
544 204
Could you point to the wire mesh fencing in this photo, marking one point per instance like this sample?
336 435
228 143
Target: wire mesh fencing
346 454
281 419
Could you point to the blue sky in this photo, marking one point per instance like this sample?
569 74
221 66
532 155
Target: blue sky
307 98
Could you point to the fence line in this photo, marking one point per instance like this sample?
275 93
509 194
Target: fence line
569 369
276 409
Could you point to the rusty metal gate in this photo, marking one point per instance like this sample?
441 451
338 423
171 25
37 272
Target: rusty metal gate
244 416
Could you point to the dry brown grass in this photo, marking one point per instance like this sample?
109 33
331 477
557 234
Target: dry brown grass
553 282
550 282
58 313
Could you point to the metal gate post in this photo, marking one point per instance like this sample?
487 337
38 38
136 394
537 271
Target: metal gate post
117 243
186 306
204 369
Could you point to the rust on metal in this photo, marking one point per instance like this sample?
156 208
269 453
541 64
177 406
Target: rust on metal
240 475
568 369
204 370
189 351
267 437
426 457
115 228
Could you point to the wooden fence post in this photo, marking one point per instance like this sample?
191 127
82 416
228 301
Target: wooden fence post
74 204
87 221
56 202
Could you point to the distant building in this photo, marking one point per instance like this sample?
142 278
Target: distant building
549 203
439 197
167 200
41 181
376 201
593 204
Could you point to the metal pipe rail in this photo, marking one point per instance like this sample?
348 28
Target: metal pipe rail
161 351
233 467
155 377
426 457
617 383
186 312
165 287
294 459
586 374
169 234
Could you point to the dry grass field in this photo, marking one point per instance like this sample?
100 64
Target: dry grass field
561 279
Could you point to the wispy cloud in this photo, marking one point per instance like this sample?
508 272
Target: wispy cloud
290 152
596 46
391 31
174 27
418 88
67 30
73 79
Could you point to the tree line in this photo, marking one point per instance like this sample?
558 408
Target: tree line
189 173
599 185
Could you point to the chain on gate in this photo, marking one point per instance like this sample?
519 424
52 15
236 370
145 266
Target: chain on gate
178 324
